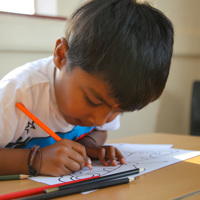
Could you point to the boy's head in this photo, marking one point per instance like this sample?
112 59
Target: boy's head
127 44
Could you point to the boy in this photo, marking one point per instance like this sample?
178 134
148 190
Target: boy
115 58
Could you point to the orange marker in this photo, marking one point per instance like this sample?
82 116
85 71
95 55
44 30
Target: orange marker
43 126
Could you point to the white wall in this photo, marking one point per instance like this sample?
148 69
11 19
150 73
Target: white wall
71 5
23 39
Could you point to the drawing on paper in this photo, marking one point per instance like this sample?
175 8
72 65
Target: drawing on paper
150 157
133 159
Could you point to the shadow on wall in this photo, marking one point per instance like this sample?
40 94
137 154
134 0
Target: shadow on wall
170 114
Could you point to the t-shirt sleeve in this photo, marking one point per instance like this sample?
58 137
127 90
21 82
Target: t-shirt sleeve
113 125
8 115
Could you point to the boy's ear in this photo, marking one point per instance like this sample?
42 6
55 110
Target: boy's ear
59 55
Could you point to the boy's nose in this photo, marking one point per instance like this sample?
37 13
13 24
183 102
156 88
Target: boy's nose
101 117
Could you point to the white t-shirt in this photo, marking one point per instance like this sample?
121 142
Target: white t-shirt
33 85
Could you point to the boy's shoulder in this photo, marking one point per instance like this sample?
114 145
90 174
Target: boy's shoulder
36 71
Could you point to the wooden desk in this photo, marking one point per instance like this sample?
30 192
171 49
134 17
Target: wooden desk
166 183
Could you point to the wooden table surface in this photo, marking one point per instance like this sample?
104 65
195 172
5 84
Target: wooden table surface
180 180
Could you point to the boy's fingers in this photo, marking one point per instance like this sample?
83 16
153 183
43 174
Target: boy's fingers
79 148
122 160
120 157
76 153
73 165
102 157
112 155
107 153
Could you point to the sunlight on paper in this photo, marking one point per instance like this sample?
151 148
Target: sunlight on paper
195 160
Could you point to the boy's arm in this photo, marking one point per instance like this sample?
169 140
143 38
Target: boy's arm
61 158
95 138
14 161
94 142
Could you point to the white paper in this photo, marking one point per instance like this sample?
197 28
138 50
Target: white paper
141 147
150 157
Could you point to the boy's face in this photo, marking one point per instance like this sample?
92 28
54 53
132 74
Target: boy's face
82 98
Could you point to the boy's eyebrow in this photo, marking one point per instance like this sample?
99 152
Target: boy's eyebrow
98 96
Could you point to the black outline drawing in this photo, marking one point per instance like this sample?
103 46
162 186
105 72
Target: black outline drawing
145 157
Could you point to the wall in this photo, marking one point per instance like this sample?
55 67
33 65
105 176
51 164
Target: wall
23 39
69 8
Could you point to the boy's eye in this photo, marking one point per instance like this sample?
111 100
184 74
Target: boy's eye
90 102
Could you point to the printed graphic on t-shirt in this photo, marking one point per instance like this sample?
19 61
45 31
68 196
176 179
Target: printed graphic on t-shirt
29 140
30 126
19 144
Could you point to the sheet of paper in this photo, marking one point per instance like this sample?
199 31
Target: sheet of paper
140 147
150 157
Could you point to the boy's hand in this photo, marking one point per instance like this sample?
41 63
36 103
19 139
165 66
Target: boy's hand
62 158
107 155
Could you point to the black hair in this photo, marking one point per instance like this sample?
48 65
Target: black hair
127 44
